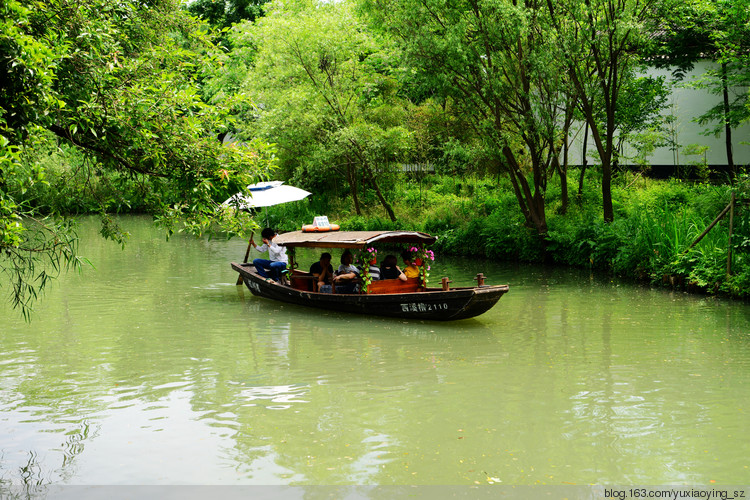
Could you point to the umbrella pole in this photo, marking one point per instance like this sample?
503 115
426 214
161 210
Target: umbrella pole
247 256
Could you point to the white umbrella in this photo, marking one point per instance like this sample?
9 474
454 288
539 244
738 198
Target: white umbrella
266 194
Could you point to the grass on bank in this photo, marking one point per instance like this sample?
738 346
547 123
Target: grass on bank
655 223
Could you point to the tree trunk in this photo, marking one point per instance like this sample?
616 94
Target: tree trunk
352 179
727 124
383 201
584 162
608 210
604 148
562 171
532 205
357 151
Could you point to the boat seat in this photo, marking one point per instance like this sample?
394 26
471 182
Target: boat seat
301 280
411 285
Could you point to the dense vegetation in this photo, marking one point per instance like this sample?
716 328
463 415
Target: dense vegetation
649 241
121 106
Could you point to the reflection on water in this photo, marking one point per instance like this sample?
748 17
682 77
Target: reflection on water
154 368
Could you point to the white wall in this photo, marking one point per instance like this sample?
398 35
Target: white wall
686 104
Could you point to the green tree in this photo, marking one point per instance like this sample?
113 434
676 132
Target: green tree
730 38
600 42
638 113
117 81
225 13
325 95
719 30
495 60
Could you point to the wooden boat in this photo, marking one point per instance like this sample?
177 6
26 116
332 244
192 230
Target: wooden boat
395 298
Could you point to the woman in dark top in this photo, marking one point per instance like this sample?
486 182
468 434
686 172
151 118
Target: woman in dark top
323 272
390 270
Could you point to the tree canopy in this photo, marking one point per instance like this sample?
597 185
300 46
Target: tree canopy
325 95
118 81
718 30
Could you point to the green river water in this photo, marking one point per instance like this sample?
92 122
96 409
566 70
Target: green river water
155 369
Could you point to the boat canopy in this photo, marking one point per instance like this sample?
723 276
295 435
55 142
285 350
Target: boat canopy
351 239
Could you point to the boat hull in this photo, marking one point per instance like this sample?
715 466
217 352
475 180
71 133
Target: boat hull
432 304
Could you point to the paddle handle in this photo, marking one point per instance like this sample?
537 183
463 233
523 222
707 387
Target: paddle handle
247 256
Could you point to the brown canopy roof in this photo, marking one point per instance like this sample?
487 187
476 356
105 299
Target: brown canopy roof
351 239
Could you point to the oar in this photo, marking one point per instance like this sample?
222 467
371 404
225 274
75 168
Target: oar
247 256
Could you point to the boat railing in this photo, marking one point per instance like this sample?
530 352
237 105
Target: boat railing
411 285
301 280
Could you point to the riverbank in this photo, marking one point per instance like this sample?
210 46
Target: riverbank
655 223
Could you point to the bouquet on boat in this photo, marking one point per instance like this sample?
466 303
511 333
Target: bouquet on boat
423 258
367 258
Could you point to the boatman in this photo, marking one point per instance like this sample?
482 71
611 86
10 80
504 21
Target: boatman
277 258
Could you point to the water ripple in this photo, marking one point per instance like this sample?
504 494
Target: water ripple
282 396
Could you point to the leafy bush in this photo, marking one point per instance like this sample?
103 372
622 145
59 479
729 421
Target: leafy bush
506 237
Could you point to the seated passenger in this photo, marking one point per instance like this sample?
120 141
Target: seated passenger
373 270
322 271
347 275
410 270
390 269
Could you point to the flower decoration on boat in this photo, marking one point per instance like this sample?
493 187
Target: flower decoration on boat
422 256
370 256
366 258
